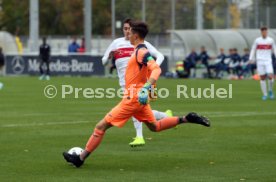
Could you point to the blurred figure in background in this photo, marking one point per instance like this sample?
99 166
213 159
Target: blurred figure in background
261 52
44 55
74 46
2 62
245 64
274 64
204 58
220 65
82 46
180 70
190 62
234 65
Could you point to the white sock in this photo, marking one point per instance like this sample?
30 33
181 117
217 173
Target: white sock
159 115
270 84
138 127
263 87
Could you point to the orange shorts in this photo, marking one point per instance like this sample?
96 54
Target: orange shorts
127 108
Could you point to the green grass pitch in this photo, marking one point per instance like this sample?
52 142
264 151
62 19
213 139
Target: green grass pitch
35 130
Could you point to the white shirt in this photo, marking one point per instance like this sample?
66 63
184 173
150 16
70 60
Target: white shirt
122 51
262 50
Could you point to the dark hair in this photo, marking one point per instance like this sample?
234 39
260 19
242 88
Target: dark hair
139 27
263 28
127 20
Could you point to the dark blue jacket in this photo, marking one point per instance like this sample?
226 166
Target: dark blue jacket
204 57
222 58
192 57
73 47
236 58
245 58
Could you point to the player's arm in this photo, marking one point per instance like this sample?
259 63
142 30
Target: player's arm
108 53
146 59
154 69
155 53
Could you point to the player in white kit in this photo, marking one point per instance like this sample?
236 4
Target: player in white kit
261 52
121 49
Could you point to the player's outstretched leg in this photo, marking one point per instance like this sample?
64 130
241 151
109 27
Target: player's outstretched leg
171 122
193 117
93 142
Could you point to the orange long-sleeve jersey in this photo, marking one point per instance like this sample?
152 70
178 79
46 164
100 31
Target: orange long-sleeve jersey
140 68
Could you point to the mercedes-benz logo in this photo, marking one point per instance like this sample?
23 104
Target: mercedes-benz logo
18 64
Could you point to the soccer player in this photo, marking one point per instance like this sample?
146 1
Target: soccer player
261 52
135 101
120 50
44 54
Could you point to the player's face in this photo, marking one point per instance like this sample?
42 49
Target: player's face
132 37
126 30
264 33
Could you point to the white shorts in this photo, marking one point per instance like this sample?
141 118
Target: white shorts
264 69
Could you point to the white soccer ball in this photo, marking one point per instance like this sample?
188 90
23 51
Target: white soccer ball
75 151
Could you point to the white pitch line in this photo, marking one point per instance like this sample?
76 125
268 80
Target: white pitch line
209 114
43 124
241 114
235 114
47 114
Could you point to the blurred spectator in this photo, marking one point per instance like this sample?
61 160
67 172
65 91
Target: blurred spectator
180 71
2 61
246 66
74 46
44 54
18 41
220 64
204 58
190 62
82 46
234 65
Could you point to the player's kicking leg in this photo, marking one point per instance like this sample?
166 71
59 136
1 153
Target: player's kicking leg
93 142
171 122
139 139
